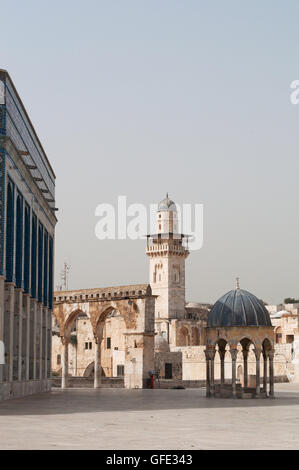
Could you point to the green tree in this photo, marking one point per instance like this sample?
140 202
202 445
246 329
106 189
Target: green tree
291 300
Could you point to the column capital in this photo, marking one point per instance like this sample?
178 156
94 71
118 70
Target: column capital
270 354
233 352
210 353
207 354
257 352
245 353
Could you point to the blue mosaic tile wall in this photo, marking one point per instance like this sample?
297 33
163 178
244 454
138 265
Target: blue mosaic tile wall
2 185
20 131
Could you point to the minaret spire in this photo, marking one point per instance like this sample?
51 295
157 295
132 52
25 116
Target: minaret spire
237 283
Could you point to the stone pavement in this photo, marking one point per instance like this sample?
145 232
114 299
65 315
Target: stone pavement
149 419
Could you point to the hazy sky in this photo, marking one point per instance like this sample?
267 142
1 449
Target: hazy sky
140 97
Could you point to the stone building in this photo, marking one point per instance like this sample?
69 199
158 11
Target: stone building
285 319
125 313
180 326
27 213
176 322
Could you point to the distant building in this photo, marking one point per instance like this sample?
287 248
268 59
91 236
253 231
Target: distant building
27 215
176 322
181 327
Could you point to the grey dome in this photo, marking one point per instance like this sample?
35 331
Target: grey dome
166 205
239 308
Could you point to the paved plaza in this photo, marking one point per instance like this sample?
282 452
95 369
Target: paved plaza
149 419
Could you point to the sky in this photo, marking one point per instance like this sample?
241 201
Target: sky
136 98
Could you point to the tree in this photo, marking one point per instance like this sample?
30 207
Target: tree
291 300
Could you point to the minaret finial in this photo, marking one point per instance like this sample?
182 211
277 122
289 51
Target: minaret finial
237 283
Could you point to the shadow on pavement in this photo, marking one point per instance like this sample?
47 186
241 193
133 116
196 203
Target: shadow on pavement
105 400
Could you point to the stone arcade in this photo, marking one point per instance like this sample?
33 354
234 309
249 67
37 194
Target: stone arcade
166 313
136 307
27 213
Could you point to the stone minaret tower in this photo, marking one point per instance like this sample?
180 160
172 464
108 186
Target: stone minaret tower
167 256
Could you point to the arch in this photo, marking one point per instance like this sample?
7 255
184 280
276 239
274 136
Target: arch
128 309
69 321
9 233
245 342
89 371
101 320
183 336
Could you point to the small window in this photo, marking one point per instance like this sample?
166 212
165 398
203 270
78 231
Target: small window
58 359
86 345
90 345
120 370
278 338
108 343
289 338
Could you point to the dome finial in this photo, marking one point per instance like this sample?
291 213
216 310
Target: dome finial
237 283
166 205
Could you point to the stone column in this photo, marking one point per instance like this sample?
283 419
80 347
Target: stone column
65 361
257 353
19 313
234 353
27 311
265 378
222 371
271 363
245 361
33 340
208 382
9 312
212 357
46 310
97 363
40 312
2 345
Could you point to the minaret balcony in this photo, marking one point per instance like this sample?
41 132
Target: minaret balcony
156 249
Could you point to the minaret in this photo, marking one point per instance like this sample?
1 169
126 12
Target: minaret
167 254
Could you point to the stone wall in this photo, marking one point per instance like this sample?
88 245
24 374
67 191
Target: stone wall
173 358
